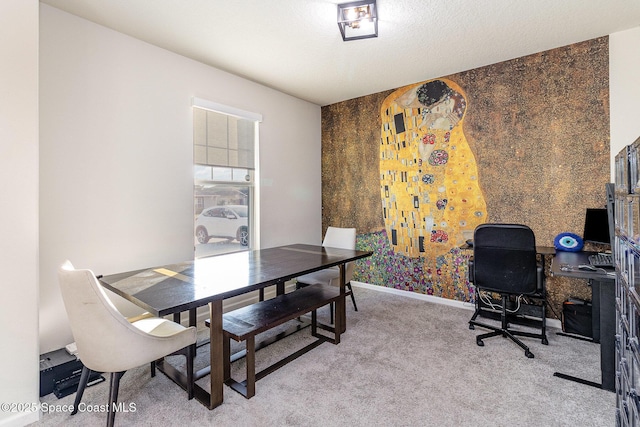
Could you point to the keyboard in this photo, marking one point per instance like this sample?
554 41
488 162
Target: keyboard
601 260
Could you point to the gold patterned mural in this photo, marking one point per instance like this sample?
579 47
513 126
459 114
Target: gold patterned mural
431 198
536 130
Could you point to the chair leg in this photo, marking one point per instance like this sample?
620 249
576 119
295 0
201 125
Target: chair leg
503 330
475 315
84 378
507 333
113 396
353 298
226 357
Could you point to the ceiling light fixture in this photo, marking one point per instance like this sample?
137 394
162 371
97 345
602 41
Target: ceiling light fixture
358 20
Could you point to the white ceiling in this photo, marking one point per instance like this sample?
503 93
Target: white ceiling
295 46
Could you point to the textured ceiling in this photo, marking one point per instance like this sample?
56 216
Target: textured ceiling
295 46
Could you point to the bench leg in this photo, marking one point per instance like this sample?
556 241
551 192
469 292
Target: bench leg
314 323
191 349
339 327
331 310
226 357
251 367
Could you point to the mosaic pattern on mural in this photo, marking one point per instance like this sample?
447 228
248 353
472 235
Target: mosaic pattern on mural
429 180
538 128
446 277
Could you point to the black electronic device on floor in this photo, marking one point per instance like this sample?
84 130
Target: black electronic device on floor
60 373
576 317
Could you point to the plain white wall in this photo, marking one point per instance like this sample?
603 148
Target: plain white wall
116 185
19 366
624 90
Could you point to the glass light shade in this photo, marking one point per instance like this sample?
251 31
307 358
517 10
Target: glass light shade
358 20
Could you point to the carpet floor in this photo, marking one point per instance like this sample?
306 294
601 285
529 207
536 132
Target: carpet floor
402 362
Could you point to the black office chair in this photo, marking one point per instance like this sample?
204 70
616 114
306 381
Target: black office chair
504 262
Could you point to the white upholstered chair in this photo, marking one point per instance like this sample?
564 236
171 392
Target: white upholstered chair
335 237
107 342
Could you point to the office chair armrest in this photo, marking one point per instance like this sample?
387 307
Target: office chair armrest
540 278
470 270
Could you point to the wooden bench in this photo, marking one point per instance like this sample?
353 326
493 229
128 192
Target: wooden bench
245 323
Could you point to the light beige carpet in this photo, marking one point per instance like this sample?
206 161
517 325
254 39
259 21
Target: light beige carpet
402 362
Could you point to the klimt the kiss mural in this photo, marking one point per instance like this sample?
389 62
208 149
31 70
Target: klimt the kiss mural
416 169
431 196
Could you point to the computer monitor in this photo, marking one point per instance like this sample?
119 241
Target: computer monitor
596 226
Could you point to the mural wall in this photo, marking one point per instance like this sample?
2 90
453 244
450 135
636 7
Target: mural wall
431 200
415 169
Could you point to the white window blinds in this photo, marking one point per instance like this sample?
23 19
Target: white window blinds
224 136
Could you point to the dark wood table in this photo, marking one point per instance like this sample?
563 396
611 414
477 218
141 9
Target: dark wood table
183 287
603 313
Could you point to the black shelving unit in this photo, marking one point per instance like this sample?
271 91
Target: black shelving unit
627 258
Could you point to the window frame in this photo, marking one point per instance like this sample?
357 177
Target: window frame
251 184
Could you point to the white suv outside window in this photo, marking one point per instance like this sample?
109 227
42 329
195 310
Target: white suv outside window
226 222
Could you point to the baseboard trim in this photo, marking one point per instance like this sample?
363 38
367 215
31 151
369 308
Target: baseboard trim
551 323
20 419
241 301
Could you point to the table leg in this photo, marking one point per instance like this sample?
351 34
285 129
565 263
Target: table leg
193 317
341 315
216 353
607 334
603 303
595 310
280 288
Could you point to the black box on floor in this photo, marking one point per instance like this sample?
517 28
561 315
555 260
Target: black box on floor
56 366
66 386
576 317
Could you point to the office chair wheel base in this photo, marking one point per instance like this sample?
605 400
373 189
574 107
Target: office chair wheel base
528 354
480 343
471 327
545 341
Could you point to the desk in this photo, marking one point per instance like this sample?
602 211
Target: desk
603 302
176 288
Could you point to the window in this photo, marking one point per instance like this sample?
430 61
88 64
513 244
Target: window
224 147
